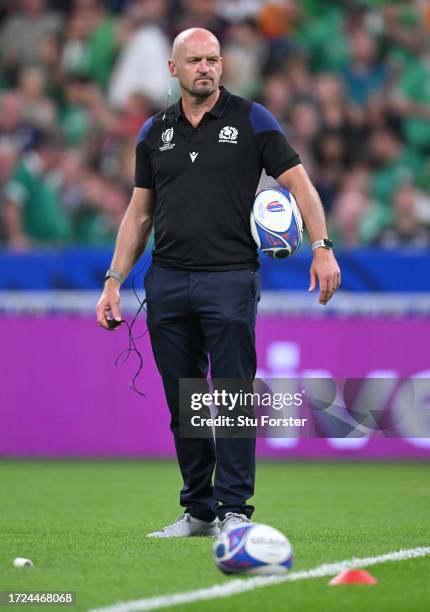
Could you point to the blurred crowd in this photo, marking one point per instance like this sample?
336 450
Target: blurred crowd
348 80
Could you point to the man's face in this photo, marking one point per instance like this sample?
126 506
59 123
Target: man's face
198 66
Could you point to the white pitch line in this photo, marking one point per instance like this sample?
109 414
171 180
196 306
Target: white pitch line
234 587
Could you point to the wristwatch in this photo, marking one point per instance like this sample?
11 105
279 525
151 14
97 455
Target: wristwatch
325 243
116 275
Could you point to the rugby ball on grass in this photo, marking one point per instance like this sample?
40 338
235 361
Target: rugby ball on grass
253 549
276 223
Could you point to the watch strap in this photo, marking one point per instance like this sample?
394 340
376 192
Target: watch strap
325 243
116 275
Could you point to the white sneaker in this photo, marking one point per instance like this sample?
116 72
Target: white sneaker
232 520
186 526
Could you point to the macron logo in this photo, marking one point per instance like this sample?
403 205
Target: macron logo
193 156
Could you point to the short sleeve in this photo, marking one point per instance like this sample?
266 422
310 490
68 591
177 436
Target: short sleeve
16 192
274 151
143 176
18 188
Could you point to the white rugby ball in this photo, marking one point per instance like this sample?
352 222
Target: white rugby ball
276 223
253 549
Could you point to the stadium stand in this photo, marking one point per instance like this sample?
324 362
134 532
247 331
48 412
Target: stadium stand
348 81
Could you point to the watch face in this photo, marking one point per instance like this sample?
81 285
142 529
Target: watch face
328 243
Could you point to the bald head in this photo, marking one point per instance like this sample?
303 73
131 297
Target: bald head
193 37
196 62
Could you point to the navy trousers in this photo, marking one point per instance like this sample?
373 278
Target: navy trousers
193 317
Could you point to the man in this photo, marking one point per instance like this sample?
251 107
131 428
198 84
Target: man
196 178
23 32
32 211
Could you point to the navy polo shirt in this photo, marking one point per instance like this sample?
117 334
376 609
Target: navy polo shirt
205 179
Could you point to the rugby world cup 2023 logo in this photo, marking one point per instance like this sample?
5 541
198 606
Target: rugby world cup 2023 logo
166 137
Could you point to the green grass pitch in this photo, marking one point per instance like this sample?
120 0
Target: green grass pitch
84 523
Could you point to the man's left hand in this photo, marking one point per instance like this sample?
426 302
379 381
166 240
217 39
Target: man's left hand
324 268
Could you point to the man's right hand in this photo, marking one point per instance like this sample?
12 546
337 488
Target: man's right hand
109 303
133 235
